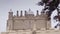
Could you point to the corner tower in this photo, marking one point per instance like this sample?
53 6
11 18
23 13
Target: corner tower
10 20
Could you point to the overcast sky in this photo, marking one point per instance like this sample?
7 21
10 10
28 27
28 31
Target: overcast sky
6 5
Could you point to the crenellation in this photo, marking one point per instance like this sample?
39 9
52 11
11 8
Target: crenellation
31 16
27 14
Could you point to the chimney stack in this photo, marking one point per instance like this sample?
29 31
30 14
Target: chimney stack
37 12
17 13
21 13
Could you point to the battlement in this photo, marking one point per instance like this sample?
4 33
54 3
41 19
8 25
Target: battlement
26 14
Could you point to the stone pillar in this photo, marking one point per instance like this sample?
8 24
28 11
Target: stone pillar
10 24
59 25
34 27
48 24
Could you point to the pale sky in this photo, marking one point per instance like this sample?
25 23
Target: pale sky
6 5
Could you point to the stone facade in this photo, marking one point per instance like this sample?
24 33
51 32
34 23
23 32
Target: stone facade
29 24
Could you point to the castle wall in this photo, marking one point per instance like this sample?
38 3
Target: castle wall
27 22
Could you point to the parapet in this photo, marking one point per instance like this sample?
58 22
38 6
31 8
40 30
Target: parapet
26 14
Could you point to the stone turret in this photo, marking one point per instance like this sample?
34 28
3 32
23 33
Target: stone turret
10 20
10 14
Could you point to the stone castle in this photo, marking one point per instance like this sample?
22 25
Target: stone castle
29 24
